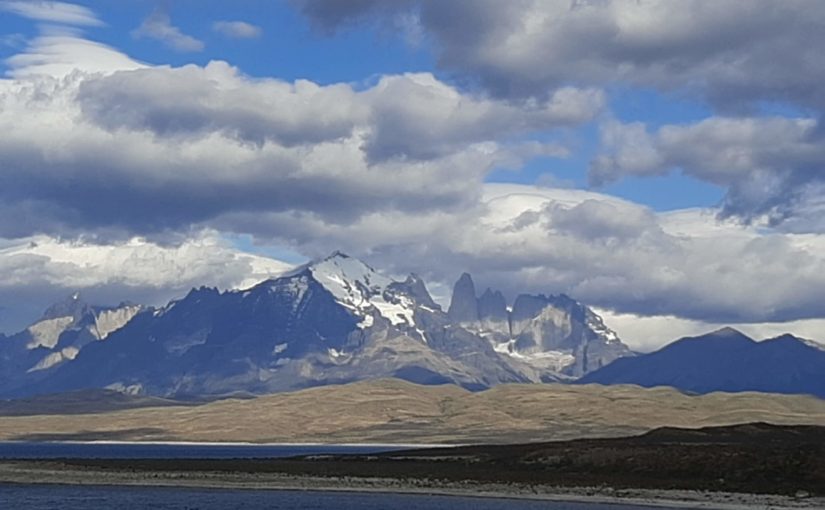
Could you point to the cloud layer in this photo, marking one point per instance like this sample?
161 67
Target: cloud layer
608 252
237 29
100 149
86 151
738 56
40 270
54 12
159 26
731 51
772 166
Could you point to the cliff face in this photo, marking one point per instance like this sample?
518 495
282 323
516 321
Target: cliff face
463 305
553 333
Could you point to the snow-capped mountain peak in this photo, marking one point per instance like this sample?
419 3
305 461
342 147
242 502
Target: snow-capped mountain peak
361 289
351 281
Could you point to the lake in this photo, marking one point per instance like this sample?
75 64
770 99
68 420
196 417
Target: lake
56 450
46 497
69 497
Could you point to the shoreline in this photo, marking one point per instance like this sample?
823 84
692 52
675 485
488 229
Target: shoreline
410 446
54 473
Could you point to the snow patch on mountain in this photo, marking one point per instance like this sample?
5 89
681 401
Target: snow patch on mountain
397 313
358 287
556 361
335 354
596 323
128 389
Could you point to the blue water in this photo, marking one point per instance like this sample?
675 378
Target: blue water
43 497
68 497
13 450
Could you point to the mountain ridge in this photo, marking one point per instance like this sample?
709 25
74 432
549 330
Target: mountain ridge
337 320
332 320
724 360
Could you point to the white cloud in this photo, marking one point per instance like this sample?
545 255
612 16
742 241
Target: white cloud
41 270
159 26
55 12
434 118
604 251
771 166
648 333
58 54
237 29
654 276
739 57
98 142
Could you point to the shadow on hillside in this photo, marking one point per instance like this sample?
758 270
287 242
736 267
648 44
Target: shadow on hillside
135 434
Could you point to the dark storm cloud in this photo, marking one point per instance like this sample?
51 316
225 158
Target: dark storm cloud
190 101
331 15
730 51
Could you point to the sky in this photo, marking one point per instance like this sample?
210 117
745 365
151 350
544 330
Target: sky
660 161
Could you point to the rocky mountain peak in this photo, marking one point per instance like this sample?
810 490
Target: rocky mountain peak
463 304
553 332
729 332
73 306
415 287
492 310
202 291
350 280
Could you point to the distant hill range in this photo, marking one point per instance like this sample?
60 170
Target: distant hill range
337 320
394 411
725 360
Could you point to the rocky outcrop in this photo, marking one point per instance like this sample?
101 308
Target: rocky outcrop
550 333
463 305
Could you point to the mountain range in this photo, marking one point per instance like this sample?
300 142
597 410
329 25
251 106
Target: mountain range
337 320
58 337
725 360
